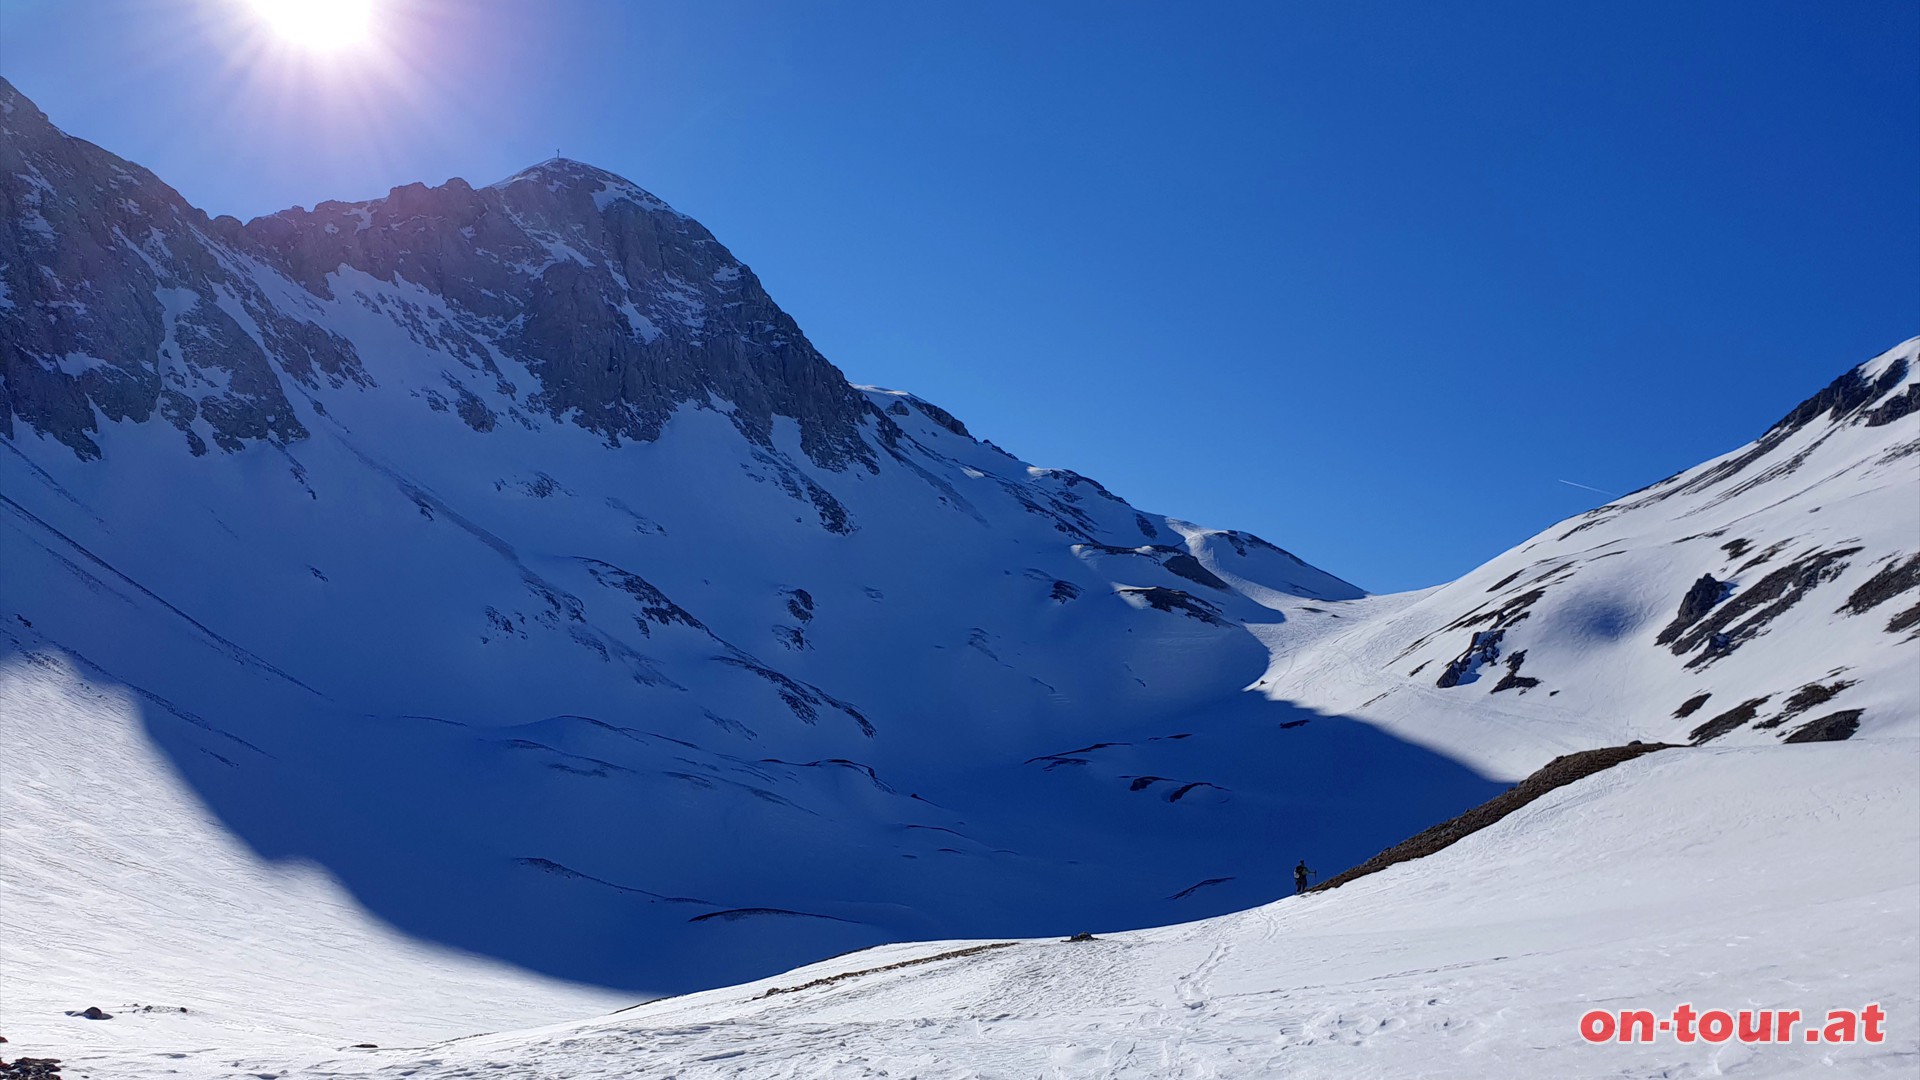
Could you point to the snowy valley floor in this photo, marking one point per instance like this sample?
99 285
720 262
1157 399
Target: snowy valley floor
1766 878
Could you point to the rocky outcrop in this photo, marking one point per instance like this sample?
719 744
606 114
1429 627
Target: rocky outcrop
1694 606
1834 727
1748 614
1555 774
1483 649
1727 721
122 301
622 307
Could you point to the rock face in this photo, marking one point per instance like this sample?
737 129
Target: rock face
620 307
118 301
1694 606
507 551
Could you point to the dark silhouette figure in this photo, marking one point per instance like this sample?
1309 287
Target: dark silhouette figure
1300 874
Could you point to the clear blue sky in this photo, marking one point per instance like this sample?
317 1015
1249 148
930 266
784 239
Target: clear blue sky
1369 279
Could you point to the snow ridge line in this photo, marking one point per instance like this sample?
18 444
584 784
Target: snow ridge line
1557 773
831 979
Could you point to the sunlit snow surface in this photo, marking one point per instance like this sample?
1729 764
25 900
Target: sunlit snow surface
365 722
1736 878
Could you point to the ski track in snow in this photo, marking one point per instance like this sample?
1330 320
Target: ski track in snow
1712 876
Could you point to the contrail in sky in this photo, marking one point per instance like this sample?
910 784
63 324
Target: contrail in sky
1590 487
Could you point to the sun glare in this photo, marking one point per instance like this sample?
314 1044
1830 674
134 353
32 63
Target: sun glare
318 25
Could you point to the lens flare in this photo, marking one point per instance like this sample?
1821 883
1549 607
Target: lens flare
321 26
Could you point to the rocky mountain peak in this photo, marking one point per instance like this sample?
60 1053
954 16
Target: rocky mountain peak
564 292
559 174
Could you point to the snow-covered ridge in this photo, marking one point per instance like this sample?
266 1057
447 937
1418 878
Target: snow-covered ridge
472 520
507 555
1767 595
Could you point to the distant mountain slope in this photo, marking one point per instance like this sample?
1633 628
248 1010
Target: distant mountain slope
1769 595
507 552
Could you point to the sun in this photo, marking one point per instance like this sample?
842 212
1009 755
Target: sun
322 26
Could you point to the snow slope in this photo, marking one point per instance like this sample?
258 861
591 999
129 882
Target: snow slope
119 888
1810 534
1715 876
505 552
410 602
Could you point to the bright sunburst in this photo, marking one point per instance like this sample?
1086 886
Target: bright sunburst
323 26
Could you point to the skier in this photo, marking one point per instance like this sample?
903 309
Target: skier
1300 873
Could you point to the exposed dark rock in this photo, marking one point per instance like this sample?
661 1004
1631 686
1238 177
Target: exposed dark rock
1727 721
1905 620
622 308
1557 773
1513 680
1081 936
655 607
1509 612
1736 548
1694 606
115 305
1189 567
1175 600
1064 591
1484 649
1843 399
31 1068
803 699
1748 612
829 980
1807 697
1833 727
1242 542
1506 581
1898 576
800 603
1690 706
1895 407
940 416
91 1012
1766 554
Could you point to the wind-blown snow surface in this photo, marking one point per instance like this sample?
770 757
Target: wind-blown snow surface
1710 876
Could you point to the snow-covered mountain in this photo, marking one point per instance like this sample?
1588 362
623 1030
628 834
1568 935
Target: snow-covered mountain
1770 595
500 569
508 553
